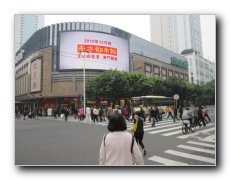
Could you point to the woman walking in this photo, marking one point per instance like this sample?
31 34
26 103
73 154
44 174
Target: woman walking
139 133
118 145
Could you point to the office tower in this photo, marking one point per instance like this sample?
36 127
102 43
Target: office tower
182 34
161 28
25 26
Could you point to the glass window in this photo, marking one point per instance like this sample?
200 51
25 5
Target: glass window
100 27
78 26
64 26
201 64
86 26
91 26
60 27
104 28
55 35
190 61
196 62
82 26
68 26
108 29
96 28
73 26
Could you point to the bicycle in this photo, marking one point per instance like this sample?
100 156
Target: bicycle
186 126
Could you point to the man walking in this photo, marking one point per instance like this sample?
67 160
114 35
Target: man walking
175 114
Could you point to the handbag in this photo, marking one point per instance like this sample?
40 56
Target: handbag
134 127
131 118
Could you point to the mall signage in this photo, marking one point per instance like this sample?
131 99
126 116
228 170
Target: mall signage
179 63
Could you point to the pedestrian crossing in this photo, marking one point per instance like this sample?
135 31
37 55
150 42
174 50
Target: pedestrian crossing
167 128
200 148
188 155
200 152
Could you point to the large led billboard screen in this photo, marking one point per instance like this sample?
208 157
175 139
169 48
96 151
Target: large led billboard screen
103 51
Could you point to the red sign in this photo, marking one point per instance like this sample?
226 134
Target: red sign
75 99
97 49
66 99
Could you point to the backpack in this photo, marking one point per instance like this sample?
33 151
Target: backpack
131 145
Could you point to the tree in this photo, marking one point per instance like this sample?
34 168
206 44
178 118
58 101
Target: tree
119 84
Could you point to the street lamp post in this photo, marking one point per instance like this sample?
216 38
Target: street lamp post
84 55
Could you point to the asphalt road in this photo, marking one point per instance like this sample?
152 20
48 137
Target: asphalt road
50 142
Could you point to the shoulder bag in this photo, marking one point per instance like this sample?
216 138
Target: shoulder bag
134 127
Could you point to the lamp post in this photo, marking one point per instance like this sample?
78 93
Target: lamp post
84 55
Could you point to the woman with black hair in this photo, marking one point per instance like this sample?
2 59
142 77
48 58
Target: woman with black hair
139 133
118 145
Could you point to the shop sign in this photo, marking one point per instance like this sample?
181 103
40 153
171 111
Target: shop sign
179 63
75 99
20 56
136 99
66 99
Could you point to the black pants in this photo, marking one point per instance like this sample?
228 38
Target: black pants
202 119
139 138
206 115
170 114
180 116
175 117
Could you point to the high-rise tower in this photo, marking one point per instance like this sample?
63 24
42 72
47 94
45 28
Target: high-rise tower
25 26
182 34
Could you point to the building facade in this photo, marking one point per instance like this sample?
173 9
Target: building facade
25 26
184 31
49 67
161 29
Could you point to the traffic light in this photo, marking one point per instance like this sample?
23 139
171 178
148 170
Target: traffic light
80 97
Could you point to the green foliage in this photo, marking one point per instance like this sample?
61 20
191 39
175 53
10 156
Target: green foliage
119 84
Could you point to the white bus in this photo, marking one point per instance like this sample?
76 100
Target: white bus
150 101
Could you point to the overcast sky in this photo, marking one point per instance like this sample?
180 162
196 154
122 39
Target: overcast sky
140 25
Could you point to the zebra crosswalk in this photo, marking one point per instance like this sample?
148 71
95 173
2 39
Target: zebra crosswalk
167 128
200 152
188 155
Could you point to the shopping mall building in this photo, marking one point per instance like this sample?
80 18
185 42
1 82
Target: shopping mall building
49 67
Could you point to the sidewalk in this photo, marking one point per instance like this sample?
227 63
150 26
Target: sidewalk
70 118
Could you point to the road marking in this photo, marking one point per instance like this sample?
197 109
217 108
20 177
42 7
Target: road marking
196 133
211 137
191 156
201 144
160 127
166 161
163 130
197 149
172 133
178 132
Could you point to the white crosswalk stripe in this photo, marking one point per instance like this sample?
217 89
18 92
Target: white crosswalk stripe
167 162
197 149
191 156
201 144
197 132
187 152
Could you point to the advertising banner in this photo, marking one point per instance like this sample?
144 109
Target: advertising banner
99 51
36 75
